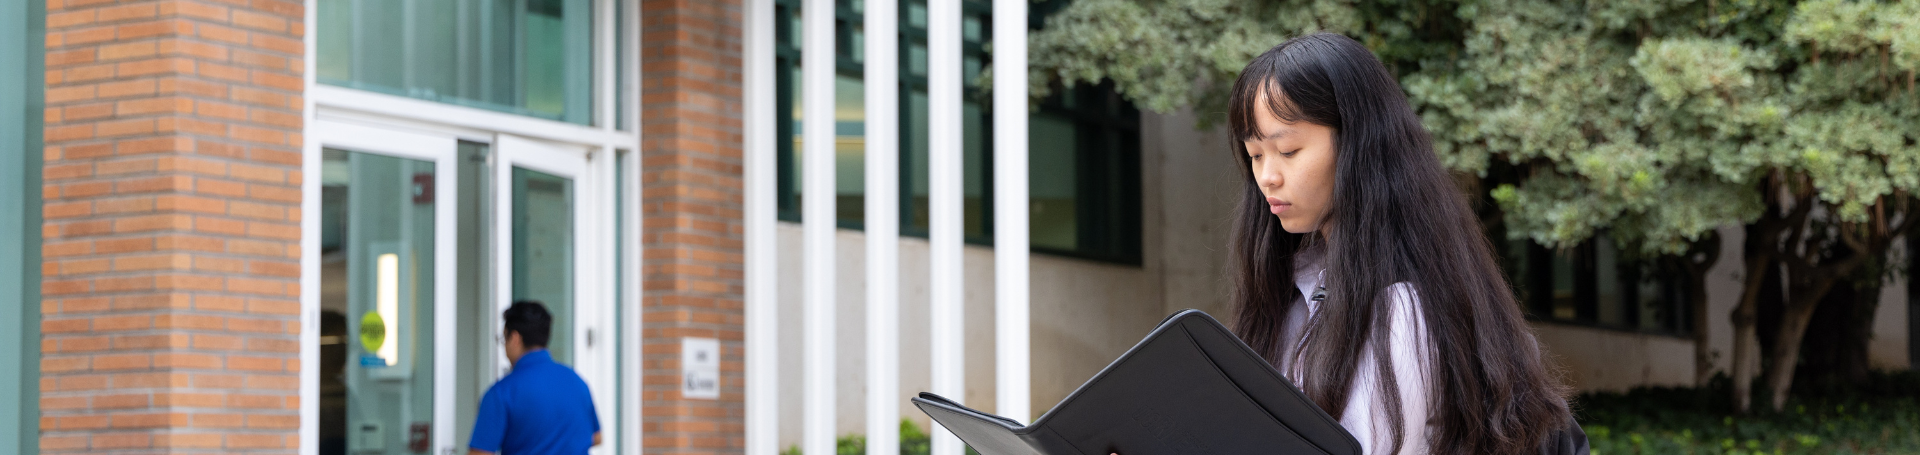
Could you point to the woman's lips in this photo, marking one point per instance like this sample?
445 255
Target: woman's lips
1276 205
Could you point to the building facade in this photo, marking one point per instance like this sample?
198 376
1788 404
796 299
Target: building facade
287 227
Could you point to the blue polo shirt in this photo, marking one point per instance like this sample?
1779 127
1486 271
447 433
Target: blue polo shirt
541 408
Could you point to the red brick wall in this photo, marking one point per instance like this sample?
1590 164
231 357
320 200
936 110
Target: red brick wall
172 226
690 63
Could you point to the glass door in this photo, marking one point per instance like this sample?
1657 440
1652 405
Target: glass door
549 247
386 294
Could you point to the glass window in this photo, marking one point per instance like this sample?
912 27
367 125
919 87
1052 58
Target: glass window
1084 144
620 67
543 251
376 300
528 57
1595 283
1084 150
1054 218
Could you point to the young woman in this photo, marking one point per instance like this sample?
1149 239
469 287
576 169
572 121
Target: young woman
1361 272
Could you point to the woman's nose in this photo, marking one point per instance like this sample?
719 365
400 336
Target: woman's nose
1268 175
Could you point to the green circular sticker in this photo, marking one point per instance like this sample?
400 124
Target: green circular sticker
373 331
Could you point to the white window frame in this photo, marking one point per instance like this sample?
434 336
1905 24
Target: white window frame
326 105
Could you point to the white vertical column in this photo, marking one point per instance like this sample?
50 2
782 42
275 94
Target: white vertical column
762 322
310 162
944 179
883 226
632 416
601 165
1012 386
818 219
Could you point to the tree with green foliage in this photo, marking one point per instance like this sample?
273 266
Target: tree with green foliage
1654 121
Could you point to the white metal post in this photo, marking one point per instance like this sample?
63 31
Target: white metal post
818 220
630 408
883 226
944 179
310 162
1012 386
762 323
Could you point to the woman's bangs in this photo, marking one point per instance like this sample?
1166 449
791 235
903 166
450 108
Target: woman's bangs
1261 78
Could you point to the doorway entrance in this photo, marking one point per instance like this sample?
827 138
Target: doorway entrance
425 237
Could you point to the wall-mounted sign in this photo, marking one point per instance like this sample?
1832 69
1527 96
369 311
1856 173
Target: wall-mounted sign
700 368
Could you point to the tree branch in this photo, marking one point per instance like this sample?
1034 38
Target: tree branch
1799 257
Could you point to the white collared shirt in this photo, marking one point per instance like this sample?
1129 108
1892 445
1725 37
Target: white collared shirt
1409 344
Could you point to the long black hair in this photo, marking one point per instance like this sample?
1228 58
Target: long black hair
1396 216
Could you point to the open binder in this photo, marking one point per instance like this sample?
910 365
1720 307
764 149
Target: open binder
1190 387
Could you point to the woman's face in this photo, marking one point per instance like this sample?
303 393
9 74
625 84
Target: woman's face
1293 164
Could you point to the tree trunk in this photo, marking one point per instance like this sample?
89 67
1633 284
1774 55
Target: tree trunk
1834 351
1743 318
1702 344
1769 308
1786 347
1759 262
1695 264
1858 366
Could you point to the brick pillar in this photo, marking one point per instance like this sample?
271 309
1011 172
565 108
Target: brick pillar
694 260
172 197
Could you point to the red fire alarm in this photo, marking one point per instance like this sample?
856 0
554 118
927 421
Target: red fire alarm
423 188
419 437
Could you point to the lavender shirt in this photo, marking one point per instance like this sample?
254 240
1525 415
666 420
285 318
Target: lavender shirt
1407 349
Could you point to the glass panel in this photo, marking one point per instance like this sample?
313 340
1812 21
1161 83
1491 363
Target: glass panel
1563 291
974 171
850 148
1514 257
529 57
376 299
917 60
620 291
620 66
916 155
543 251
858 44
1610 301
478 316
1051 183
970 69
917 14
849 110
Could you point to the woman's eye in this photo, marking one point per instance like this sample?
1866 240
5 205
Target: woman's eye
1290 154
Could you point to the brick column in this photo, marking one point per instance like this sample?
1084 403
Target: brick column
172 197
694 260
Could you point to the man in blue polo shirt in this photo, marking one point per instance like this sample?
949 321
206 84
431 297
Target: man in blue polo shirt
542 407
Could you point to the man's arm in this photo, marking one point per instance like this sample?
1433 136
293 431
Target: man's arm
596 442
490 426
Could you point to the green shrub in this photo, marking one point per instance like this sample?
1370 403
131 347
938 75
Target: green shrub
1881 416
913 441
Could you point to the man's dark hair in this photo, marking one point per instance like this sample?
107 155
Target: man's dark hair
531 320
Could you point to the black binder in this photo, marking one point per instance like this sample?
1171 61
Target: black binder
1190 387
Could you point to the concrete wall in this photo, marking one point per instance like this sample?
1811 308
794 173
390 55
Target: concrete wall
1200 181
1605 359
